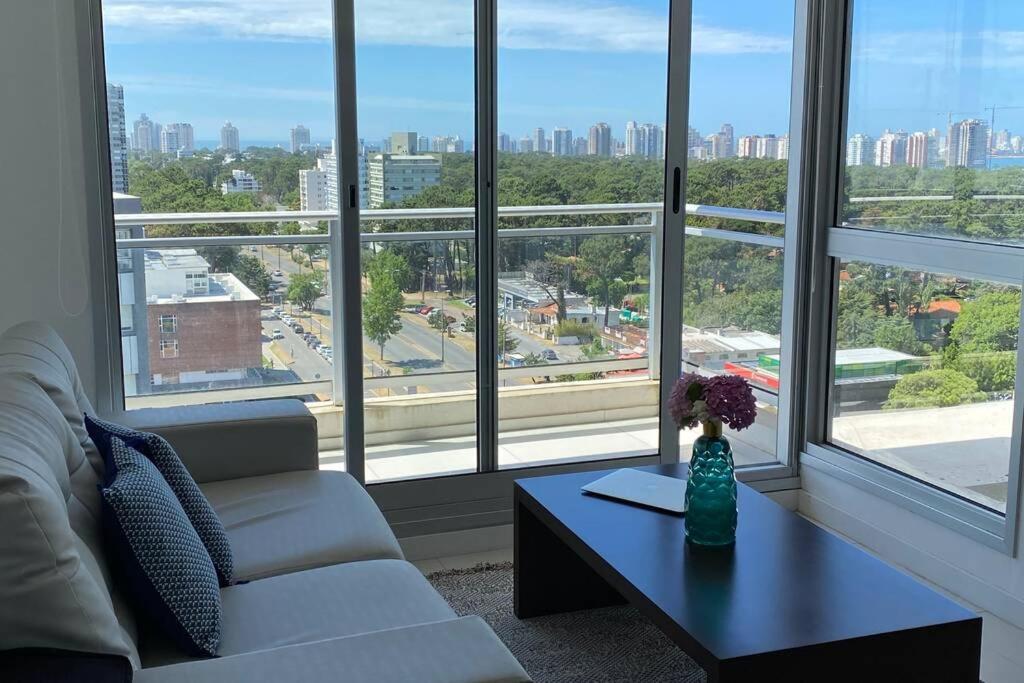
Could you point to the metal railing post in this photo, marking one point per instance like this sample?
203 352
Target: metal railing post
655 303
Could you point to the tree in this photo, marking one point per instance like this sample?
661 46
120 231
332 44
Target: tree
221 259
899 335
988 323
304 289
251 271
603 259
390 265
507 342
933 389
381 305
553 277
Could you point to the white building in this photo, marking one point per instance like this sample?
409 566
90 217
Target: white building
240 181
967 144
746 147
299 138
229 138
768 147
633 145
860 150
118 138
891 149
143 134
318 187
652 141
392 178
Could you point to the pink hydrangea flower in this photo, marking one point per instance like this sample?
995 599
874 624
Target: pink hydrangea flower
723 398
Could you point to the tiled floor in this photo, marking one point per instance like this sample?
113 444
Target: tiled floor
1002 645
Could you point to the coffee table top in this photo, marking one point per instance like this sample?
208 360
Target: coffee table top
787 583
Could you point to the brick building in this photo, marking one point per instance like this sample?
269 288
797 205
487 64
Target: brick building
203 327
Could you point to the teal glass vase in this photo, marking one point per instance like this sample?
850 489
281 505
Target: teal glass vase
711 490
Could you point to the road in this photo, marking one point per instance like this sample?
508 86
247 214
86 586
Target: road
416 349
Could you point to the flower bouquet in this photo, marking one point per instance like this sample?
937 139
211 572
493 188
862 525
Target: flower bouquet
711 513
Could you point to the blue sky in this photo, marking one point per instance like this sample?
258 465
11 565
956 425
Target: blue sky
268 65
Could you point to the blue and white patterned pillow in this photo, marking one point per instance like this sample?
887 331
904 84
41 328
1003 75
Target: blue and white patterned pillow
166 567
206 522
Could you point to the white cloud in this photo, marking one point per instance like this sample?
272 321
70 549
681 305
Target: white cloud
598 25
938 49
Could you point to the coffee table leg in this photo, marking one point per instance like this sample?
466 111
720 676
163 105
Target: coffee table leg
549 577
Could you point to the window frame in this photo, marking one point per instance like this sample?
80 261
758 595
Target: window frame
483 497
835 243
167 345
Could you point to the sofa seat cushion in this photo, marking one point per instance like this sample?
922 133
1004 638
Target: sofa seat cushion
166 567
328 602
287 522
461 650
202 515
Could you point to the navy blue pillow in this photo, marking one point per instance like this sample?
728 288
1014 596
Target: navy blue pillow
165 565
206 522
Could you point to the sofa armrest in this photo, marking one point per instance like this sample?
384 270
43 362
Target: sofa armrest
235 440
461 650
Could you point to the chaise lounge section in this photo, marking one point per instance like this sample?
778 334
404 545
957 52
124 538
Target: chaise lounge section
324 591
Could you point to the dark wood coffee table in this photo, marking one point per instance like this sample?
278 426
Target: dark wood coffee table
790 602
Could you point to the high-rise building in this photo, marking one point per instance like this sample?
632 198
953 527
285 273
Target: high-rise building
318 187
186 137
1017 144
540 142
694 141
404 142
917 149
396 177
525 145
504 142
652 141
456 145
767 146
229 137
633 144
599 141
746 146
891 148
728 141
1001 141
859 150
967 144
579 147
936 158
118 138
300 137
142 134
169 140
422 144
561 142
782 149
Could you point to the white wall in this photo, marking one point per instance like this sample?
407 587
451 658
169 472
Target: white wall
985 577
44 260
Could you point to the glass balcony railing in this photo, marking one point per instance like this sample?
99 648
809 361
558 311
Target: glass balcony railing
244 317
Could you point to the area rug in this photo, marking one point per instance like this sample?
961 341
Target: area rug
614 644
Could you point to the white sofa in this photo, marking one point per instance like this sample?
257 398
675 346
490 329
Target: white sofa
328 595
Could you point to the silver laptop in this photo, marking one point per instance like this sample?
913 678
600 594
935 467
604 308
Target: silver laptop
642 488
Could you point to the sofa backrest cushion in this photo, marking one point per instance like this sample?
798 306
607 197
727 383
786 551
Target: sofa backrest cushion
54 581
165 565
202 515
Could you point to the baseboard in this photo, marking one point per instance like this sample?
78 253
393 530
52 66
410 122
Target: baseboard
451 543
971 589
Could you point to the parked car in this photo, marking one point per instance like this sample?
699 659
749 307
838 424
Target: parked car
411 309
253 248
425 310
278 311
549 354
277 334
314 343
277 273
325 350
298 328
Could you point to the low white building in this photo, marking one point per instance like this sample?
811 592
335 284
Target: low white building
240 181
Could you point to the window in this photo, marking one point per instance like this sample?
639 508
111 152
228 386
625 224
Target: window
736 191
545 275
922 277
168 348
